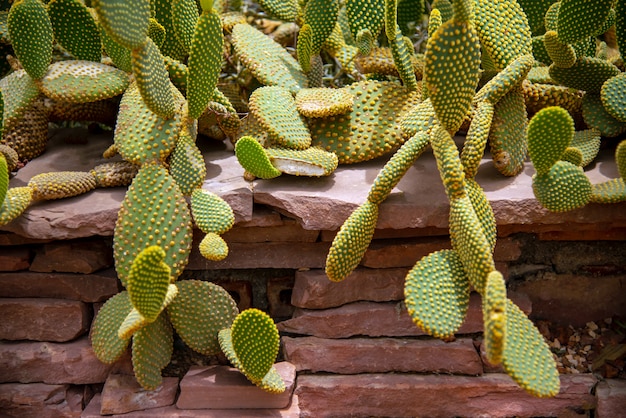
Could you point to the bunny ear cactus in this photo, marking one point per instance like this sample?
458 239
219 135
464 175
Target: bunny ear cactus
126 22
75 29
31 35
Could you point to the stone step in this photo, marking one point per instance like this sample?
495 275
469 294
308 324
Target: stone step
121 394
611 395
39 400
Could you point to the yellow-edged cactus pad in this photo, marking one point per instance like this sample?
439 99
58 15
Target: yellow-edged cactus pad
75 29
588 74
494 317
187 165
152 79
105 341
31 35
613 95
507 138
153 346
210 212
61 184
16 200
323 102
312 162
148 281
550 131
254 159
596 116
476 139
611 191
126 21
213 247
580 19
564 187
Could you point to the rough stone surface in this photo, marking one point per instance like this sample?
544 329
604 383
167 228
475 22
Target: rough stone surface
43 319
240 291
279 291
222 387
374 319
401 253
15 259
122 394
39 400
79 256
288 231
380 355
88 288
406 395
611 395
53 363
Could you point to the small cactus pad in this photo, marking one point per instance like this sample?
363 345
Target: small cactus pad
213 247
254 159
403 54
272 382
448 163
148 281
611 191
199 312
323 102
596 116
494 317
550 131
526 357
312 162
114 174
483 210
152 79
83 81
507 137
154 212
321 15
537 96
365 15
120 55
561 54
351 241
187 165
184 19
573 155
613 95
420 118
171 45
19 92
61 184
10 156
588 142
28 135
580 19
16 200
210 212
133 322
476 139
31 36
564 187
588 74
125 21
156 32
153 346
75 29
105 341
285 10
436 293
505 80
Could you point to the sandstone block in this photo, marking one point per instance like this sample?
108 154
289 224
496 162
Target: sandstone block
221 387
288 231
406 395
279 295
43 319
611 395
507 249
240 291
401 253
122 394
80 256
39 400
380 355
15 259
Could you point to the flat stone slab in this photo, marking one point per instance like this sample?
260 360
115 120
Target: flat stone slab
121 394
611 395
40 400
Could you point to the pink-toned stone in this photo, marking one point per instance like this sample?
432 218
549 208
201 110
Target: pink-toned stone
261 217
401 253
292 411
80 256
39 400
43 319
288 231
9 239
381 355
376 320
586 233
279 290
87 288
487 366
575 299
222 387
313 289
406 395
611 395
122 394
507 249
15 259
53 363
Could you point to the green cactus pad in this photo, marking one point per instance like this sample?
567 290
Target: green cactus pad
451 73
171 45
178 73
550 131
323 102
156 32
620 159
380 61
445 9
597 117
364 41
572 155
436 293
226 345
572 28
205 62
564 187
154 212
12 159
272 382
61 184
321 15
527 358
254 159
397 166
409 13
133 322
75 29
210 212
105 341
448 163
483 210
613 95
561 54
125 21
140 134
199 312
612 191
536 10
494 304
19 92
268 61
285 10
152 79
620 25
16 200
153 346
312 162
588 74
4 177
588 142
31 36
83 81
365 15
120 55
148 281
114 174
213 247
28 135
476 139
402 57
537 96
420 118
551 17
435 20
511 76
187 165
184 20
539 50
351 242
507 137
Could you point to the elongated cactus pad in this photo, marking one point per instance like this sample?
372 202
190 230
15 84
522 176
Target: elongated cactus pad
436 293
187 164
420 118
351 241
312 162
321 15
285 10
133 322
561 54
210 212
10 156
148 280
213 247
403 52
254 159
564 187
4 177
535 10
620 159
75 29
125 21
588 142
152 79
588 74
16 200
483 210
538 95
19 92
494 317
323 102
365 15
156 32
31 36
153 346
507 138
114 174
611 191
184 19
597 117
476 139
171 45
199 312
105 341
119 54
448 163
28 135
550 131
580 19
61 184
511 76
613 95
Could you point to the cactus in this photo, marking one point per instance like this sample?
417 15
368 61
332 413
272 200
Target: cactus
62 184
126 22
31 36
75 29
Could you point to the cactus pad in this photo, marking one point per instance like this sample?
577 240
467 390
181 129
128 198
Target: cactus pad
125 21
597 117
4 177
75 29
613 95
483 210
120 55
148 281
105 341
11 157
285 10
611 191
254 159
580 19
19 92
29 134
213 247
153 346
588 74
561 54
564 187
323 102
507 138
588 142
420 118
31 36
312 162
210 212
476 139
494 317
365 16
61 184
550 131
184 20
114 174
152 79
511 76
187 164
448 163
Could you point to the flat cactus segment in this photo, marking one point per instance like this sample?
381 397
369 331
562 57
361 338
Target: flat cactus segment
312 162
563 188
535 11
199 312
140 134
77 81
256 342
503 30
75 29
152 79
620 159
476 139
323 102
620 25
272 382
156 32
11 158
359 135
285 10
507 138
436 293
31 35
154 212
420 118
402 55
351 242
120 55
275 108
448 163
572 28
126 21
133 322
28 135
364 41
588 74
561 54
409 12
537 96
612 191
184 19
210 212
178 73
19 92
494 317
397 166
380 61
268 61
4 177
597 117
451 66
148 281
613 95
550 131
205 62
254 159
445 9
321 15
365 15
434 21
187 165
225 339
527 358
171 45
588 142
114 174
61 184
505 80
153 346
213 247
483 211
573 155
105 341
